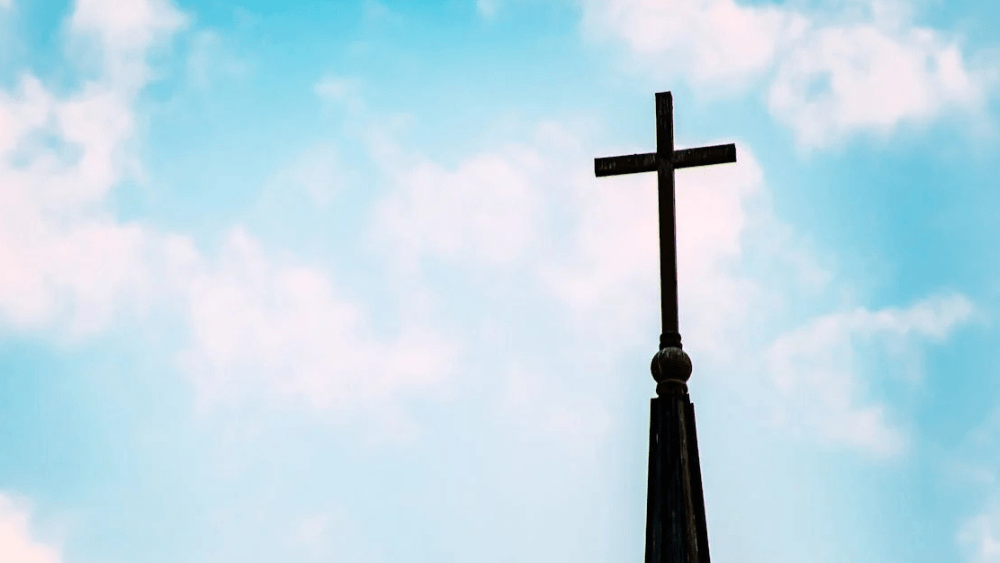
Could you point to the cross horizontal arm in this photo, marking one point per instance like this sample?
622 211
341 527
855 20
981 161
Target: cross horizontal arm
705 156
629 164
684 158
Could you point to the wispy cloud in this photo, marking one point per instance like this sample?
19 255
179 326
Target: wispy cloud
124 33
18 542
343 90
485 210
819 370
65 257
842 79
811 370
258 326
263 329
611 273
979 538
827 77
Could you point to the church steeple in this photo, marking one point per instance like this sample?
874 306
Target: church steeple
675 511
676 531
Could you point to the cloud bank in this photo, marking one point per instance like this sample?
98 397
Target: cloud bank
826 77
18 544
258 326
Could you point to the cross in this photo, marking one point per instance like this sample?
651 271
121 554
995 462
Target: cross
676 530
664 161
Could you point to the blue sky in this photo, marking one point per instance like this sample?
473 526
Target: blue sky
333 281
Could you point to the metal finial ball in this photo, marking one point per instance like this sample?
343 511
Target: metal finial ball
671 364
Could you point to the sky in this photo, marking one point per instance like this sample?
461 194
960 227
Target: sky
334 281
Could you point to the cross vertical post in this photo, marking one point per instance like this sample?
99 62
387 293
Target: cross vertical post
669 329
676 530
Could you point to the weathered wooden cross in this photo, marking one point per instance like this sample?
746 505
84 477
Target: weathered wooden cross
676 531
664 161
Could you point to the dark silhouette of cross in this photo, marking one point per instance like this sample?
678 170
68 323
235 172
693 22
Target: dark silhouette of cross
664 161
676 531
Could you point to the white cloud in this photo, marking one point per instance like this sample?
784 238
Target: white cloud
261 328
826 79
714 41
848 78
487 8
813 372
819 371
17 542
811 366
125 31
979 538
341 89
68 266
613 271
66 261
211 60
975 464
316 173
126 24
313 531
743 318
485 210
76 276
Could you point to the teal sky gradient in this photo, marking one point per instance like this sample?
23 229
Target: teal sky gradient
333 281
